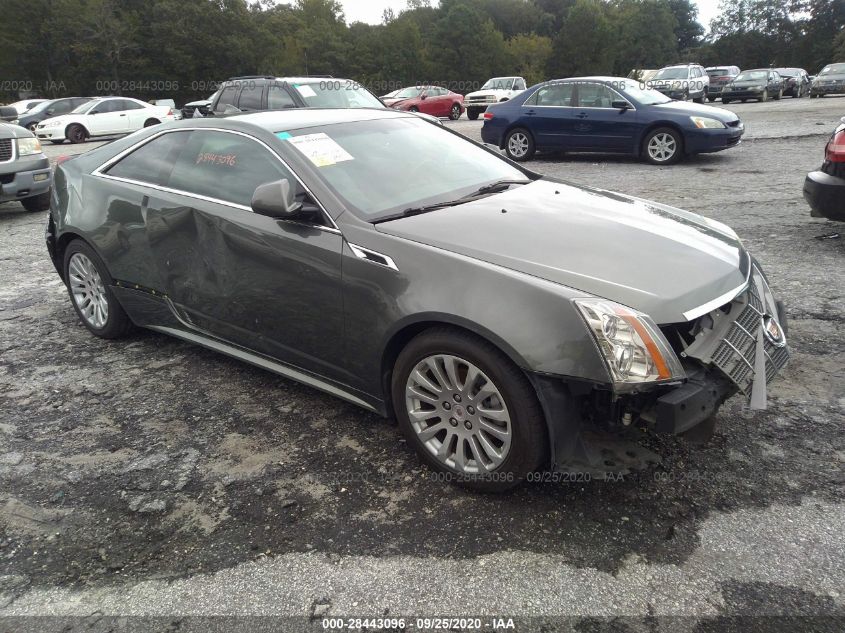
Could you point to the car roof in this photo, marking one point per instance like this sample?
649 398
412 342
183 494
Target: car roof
297 118
591 78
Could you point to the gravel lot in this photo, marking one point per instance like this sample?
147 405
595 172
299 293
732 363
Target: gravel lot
151 478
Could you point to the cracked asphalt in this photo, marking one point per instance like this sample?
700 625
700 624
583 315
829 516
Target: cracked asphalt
147 483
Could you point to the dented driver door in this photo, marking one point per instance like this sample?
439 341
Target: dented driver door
269 285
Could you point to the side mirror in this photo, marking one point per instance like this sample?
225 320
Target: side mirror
621 105
94 112
49 111
275 199
423 96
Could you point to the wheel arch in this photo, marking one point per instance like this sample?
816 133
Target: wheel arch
653 126
70 125
62 242
152 121
405 331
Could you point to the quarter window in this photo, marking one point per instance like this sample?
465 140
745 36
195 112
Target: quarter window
151 163
226 167
227 97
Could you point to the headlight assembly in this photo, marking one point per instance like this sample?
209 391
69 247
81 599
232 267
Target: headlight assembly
28 146
706 122
633 347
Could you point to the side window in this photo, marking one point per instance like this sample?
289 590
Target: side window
250 98
226 167
594 96
519 85
61 107
554 95
151 162
278 98
109 105
227 97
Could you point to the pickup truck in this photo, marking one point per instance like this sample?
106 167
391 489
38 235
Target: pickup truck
25 173
493 91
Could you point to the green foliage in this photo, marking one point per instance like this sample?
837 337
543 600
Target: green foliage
180 48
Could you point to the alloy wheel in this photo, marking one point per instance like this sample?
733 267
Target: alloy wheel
518 145
458 414
88 290
662 147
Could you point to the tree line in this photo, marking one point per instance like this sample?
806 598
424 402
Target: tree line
180 48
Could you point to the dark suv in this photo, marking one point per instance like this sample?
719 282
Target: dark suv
262 92
48 109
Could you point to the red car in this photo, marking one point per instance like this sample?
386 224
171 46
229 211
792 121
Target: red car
431 100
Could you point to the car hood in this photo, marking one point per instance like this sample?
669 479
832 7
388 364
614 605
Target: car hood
10 130
393 102
61 120
197 104
695 109
653 258
485 93
838 77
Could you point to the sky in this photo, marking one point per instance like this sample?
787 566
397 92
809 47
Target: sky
370 11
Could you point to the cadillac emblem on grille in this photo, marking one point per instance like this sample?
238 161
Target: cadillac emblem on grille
744 339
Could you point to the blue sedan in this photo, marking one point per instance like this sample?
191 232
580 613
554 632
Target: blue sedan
608 115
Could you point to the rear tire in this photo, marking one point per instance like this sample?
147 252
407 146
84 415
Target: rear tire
519 145
89 287
725 101
37 203
455 112
434 400
778 96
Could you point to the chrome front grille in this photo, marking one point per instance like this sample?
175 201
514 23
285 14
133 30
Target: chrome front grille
727 338
5 150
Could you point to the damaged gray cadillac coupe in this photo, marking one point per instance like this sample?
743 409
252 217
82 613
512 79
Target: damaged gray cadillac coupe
498 314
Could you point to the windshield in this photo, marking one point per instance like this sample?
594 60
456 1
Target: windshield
716 72
82 109
498 83
642 96
334 93
833 69
751 75
672 73
384 166
407 93
39 107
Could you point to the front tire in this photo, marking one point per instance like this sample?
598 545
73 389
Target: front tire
663 146
468 411
37 203
779 95
76 133
472 115
725 101
519 145
89 286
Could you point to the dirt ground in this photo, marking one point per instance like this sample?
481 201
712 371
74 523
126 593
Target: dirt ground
150 478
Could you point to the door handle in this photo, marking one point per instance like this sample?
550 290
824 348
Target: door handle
581 115
531 113
122 115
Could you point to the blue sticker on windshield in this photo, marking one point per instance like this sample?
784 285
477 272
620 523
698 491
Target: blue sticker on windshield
283 135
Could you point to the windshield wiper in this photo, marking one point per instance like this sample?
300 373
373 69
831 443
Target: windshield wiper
493 187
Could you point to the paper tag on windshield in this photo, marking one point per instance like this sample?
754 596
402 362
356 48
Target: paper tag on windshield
320 149
306 91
